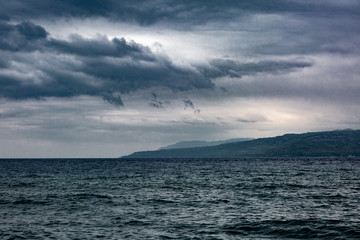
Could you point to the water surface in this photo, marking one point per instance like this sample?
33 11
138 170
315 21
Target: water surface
180 199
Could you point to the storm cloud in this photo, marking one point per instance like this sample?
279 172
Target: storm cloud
84 66
146 13
20 37
101 47
103 67
225 67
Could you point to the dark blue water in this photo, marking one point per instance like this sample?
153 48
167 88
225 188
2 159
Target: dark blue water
180 199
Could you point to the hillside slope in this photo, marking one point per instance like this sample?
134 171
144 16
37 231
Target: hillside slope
314 144
192 144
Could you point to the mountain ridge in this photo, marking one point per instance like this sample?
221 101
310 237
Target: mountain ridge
311 144
199 143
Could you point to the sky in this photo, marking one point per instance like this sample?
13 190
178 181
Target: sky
106 78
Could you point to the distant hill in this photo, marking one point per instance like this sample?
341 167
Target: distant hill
192 144
313 144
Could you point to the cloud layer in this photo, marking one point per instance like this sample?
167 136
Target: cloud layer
147 13
103 67
82 66
179 70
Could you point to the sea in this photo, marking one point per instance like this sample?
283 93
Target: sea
250 198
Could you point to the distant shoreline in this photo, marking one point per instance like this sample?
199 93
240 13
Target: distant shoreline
337 143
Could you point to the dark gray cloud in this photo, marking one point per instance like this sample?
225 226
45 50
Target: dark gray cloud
106 68
36 65
20 37
98 67
189 104
226 67
311 34
114 99
42 8
305 28
101 47
252 119
31 31
149 12
3 62
157 103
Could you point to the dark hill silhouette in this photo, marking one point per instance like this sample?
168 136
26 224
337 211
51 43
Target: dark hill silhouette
313 144
192 144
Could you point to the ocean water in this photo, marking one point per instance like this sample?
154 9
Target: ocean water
180 199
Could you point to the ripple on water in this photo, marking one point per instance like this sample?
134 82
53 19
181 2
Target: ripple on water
180 199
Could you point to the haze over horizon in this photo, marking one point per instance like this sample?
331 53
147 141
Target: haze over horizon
108 78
